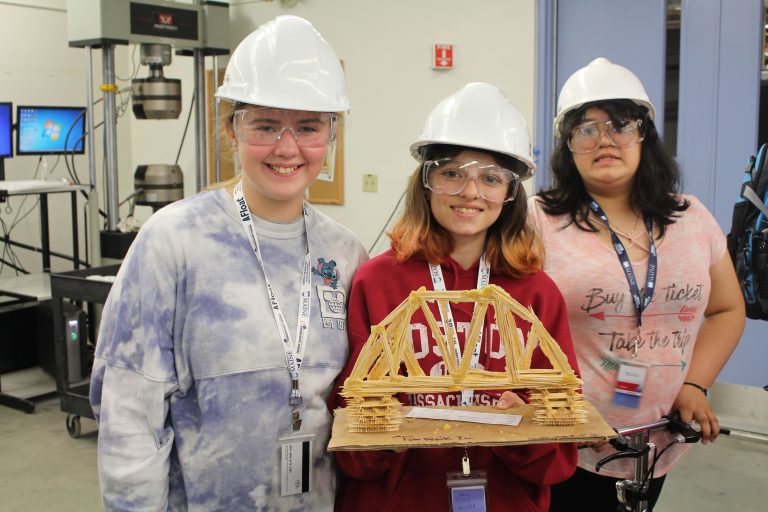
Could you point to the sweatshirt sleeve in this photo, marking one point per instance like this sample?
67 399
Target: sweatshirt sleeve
362 465
548 463
133 378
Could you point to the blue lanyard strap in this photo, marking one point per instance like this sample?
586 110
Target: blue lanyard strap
640 301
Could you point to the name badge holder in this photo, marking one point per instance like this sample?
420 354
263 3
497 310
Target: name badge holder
466 488
296 463
630 382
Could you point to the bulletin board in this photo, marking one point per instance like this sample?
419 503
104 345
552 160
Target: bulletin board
226 160
329 188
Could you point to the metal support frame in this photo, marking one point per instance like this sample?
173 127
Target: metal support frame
216 149
201 165
92 215
110 136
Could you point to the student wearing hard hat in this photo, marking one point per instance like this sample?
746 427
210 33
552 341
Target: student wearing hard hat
226 327
464 226
652 297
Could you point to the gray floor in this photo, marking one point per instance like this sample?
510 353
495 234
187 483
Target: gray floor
43 469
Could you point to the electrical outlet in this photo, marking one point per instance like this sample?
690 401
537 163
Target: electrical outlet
370 182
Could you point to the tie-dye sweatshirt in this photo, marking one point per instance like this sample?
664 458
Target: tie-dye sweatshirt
190 385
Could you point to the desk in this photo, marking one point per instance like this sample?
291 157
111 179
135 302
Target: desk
27 286
29 290
22 292
42 189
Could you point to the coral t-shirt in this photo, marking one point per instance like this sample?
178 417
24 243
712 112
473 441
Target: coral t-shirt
603 318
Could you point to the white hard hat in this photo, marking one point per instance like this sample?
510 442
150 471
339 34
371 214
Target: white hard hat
479 115
600 80
286 63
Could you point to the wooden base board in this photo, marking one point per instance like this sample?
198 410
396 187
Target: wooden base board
423 433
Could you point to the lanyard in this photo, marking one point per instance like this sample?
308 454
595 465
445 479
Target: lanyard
438 283
639 301
294 352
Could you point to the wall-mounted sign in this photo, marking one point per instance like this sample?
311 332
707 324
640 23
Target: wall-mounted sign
442 56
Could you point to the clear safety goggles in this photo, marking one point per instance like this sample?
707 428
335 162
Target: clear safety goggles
585 138
261 126
493 183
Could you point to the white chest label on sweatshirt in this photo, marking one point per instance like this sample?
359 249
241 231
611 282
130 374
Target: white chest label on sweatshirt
333 306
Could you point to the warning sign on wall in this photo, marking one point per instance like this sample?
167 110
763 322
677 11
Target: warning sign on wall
442 56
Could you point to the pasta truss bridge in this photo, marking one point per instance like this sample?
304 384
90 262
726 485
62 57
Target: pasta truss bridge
377 377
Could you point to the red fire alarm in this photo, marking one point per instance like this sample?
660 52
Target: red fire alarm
442 56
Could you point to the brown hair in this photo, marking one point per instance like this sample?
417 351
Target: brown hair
512 246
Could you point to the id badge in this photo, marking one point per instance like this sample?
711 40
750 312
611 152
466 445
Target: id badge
630 381
466 493
296 467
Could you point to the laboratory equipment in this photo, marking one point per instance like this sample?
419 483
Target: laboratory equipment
156 97
158 185
200 29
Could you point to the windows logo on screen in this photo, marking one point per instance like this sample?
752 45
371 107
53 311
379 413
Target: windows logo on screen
52 130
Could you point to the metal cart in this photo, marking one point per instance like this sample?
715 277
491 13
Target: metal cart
81 287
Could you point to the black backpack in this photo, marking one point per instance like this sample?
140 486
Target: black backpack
748 239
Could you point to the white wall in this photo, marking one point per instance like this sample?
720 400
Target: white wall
385 47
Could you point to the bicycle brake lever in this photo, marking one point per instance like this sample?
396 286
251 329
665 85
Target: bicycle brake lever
627 453
620 443
690 434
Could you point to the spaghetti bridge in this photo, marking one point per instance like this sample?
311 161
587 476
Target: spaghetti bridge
377 376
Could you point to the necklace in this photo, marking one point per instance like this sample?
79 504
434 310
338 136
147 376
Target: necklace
630 236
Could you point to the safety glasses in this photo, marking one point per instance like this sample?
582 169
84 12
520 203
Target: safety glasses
585 138
447 176
259 126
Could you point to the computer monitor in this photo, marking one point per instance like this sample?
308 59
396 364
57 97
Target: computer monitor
50 130
6 130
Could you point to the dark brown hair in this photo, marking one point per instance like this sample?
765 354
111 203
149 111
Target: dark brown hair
656 183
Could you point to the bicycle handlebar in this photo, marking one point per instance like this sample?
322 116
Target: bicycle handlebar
635 429
673 423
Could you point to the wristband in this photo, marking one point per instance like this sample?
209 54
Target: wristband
700 388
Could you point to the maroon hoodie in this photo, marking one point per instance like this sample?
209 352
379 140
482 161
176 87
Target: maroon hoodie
415 480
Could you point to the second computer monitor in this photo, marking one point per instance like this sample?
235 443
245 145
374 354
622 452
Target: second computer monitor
50 130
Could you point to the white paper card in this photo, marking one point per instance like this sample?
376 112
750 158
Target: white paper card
490 418
296 467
